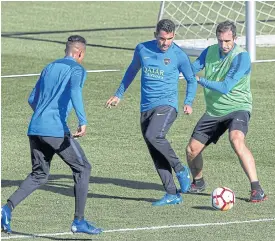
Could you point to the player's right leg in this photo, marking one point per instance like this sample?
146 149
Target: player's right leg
195 162
41 156
206 131
154 125
73 155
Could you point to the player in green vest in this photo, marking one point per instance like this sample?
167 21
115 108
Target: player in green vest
228 106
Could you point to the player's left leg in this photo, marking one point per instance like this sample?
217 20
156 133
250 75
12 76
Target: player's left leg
73 155
238 129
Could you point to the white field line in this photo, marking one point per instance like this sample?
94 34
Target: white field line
145 228
28 75
264 61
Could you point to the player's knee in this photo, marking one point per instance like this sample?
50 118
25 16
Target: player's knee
237 144
152 139
237 140
191 151
41 178
88 167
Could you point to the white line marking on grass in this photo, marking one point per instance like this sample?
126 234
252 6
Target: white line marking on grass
264 61
145 228
88 71
190 225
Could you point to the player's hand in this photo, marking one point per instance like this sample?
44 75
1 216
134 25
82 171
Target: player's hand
198 78
81 131
187 109
113 101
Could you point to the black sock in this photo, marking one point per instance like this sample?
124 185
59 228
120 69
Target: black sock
10 205
198 182
255 186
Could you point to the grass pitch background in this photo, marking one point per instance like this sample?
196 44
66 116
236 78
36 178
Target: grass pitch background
123 182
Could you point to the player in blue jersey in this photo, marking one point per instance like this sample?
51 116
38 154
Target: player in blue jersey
160 62
57 91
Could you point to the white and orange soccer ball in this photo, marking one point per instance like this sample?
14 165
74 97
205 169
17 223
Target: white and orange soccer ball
223 198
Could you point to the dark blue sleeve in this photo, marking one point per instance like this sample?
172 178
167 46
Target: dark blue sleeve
240 66
130 74
185 68
199 63
77 80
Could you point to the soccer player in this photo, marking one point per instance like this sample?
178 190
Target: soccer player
161 61
228 106
57 91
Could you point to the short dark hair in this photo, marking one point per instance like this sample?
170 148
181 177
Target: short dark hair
74 39
226 26
77 38
166 25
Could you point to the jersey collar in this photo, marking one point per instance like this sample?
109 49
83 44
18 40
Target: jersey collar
69 57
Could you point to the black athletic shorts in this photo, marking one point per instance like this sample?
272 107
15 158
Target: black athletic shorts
209 128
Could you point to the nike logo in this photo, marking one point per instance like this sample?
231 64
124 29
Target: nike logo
169 201
160 114
262 195
240 120
146 57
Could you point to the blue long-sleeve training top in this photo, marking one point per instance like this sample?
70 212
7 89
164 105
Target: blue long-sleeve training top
240 67
57 91
159 76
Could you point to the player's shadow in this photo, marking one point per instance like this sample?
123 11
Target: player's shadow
206 208
32 236
63 184
209 194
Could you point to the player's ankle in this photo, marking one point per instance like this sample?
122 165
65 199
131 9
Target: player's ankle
255 185
199 182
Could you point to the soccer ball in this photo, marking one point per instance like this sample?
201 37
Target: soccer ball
223 198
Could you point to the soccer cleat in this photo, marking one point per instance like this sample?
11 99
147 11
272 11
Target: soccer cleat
168 199
257 196
83 226
196 189
184 179
6 219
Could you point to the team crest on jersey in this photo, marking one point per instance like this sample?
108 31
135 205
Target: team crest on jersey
167 61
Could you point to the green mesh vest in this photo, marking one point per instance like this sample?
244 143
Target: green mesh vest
239 98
